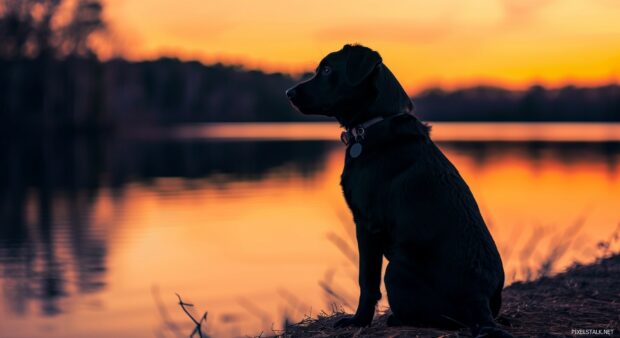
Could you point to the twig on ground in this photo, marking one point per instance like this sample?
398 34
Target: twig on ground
198 328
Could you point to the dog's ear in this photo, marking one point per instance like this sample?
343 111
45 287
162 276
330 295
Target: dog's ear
361 61
391 97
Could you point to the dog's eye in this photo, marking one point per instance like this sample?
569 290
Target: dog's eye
326 70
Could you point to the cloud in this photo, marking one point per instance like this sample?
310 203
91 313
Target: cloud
520 12
396 32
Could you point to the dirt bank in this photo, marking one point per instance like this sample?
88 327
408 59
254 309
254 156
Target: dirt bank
584 301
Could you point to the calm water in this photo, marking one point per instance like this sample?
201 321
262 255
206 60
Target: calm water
248 221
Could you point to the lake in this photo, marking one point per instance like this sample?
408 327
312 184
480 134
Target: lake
247 221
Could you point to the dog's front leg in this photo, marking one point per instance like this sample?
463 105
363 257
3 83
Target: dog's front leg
370 261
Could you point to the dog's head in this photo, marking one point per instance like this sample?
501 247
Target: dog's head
352 85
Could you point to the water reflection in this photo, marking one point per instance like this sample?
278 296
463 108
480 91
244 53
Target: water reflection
564 153
53 239
39 184
248 229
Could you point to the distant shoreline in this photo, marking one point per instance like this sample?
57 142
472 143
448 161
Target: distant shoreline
80 93
464 131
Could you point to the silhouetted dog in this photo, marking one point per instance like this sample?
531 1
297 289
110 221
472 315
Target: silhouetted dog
408 201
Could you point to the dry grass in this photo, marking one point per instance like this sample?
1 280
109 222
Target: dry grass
322 326
583 297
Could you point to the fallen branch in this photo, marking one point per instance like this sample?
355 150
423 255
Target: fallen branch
198 328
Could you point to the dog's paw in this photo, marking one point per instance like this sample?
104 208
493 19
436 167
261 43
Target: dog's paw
354 321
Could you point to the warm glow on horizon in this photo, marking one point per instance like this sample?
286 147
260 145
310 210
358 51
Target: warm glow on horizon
445 43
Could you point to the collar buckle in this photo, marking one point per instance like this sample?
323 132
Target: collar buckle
359 133
356 134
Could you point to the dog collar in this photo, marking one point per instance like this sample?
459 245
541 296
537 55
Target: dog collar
358 132
357 135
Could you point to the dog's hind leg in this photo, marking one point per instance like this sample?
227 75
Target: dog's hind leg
413 300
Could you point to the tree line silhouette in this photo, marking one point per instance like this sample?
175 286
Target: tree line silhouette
51 79
536 104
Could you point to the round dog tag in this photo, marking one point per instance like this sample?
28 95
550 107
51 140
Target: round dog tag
355 150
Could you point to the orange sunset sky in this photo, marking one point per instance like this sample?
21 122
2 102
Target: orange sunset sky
450 43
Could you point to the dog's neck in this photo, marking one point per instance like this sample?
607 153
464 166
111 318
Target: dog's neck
362 117
355 116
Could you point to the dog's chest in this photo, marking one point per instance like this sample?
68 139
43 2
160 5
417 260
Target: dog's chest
363 189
